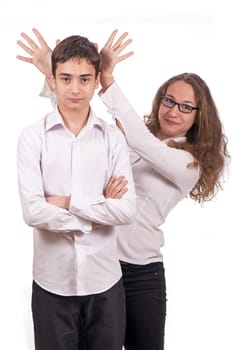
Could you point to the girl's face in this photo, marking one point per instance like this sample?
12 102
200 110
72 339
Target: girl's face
175 120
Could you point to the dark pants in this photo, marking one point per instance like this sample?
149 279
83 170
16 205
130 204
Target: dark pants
92 322
145 306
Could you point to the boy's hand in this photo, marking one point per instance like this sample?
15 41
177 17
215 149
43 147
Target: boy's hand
116 187
59 201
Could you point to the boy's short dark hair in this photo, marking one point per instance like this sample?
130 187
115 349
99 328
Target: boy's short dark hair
75 47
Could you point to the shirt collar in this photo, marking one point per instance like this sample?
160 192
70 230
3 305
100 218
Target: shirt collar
176 139
54 119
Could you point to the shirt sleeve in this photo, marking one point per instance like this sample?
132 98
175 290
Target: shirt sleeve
110 211
36 211
169 162
47 92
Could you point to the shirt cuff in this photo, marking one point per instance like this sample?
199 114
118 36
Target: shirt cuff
83 207
47 92
115 100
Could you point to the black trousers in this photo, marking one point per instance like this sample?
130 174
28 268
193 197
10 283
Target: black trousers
93 322
145 306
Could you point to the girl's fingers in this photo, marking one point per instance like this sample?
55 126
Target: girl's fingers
39 37
25 47
29 41
111 38
25 59
119 41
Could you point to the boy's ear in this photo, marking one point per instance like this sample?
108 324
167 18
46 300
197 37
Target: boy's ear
96 45
51 81
98 80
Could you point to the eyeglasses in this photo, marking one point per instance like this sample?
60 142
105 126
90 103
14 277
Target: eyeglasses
183 107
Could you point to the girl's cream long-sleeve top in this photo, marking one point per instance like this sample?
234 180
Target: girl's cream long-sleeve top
162 179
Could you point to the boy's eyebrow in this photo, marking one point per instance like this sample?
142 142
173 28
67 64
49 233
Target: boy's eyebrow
80 75
86 75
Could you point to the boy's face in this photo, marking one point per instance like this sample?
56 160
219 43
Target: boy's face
74 84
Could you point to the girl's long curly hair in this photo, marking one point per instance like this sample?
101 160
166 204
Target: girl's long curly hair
205 139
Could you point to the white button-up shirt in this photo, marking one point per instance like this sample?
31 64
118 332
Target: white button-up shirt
162 179
69 257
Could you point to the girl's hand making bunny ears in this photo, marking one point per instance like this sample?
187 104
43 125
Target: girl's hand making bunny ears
111 55
40 54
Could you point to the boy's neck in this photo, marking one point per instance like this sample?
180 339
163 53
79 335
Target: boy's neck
75 121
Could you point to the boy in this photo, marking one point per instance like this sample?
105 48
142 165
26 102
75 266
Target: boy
66 164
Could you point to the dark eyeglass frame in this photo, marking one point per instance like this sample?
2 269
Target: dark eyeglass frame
188 109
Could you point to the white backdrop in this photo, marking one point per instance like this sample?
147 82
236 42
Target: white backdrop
200 250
